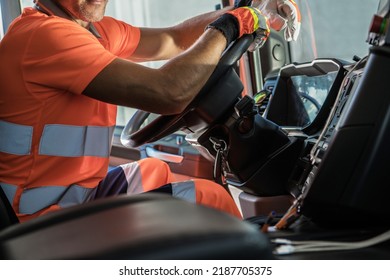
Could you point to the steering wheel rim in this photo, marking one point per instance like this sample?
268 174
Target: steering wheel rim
167 124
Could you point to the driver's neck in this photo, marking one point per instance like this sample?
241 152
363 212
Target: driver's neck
82 23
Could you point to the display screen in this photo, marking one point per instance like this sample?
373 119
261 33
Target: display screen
301 91
311 93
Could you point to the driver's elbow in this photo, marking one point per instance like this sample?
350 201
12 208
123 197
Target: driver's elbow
176 103
175 94
175 99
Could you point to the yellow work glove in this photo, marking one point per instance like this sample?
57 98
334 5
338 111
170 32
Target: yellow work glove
240 21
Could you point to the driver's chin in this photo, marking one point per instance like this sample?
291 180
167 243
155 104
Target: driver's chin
91 12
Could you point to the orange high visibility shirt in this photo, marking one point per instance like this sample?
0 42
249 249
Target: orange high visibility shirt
45 64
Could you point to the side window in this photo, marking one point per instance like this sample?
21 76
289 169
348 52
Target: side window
338 30
9 10
26 3
1 25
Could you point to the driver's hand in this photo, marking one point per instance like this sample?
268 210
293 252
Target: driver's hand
282 14
241 21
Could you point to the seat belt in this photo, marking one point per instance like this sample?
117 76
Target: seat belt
50 8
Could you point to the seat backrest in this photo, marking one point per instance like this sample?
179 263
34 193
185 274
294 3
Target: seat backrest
7 214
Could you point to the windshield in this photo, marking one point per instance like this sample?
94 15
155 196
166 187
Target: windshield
333 29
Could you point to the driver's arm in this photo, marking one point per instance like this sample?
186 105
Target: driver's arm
169 89
165 43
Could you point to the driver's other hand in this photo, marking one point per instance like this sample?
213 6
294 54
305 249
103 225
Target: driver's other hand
282 14
252 21
241 21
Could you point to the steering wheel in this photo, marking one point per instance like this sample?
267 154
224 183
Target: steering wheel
311 99
164 125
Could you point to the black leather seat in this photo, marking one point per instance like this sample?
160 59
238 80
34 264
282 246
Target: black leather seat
146 226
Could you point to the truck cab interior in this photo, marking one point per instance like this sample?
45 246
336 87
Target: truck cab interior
297 132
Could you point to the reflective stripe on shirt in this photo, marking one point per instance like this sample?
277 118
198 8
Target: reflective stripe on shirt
57 140
76 141
36 199
15 138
